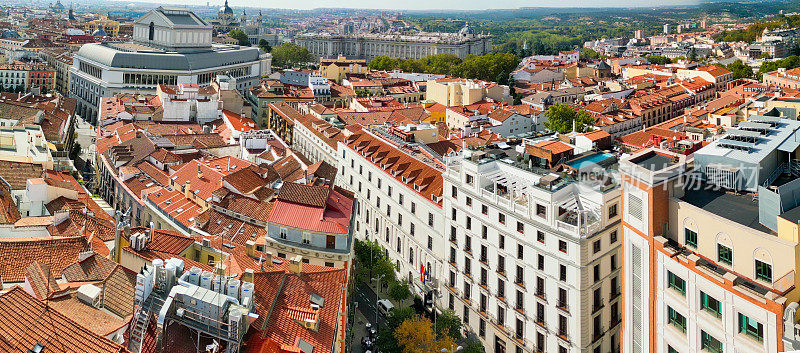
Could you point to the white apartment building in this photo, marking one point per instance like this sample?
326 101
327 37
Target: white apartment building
533 259
399 204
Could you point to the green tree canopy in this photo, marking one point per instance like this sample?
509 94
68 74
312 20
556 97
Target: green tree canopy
739 69
448 324
386 342
560 118
239 35
399 291
489 67
289 55
264 45
658 59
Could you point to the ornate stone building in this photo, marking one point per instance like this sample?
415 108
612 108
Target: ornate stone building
397 45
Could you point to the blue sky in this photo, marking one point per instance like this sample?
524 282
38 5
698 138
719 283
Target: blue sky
438 4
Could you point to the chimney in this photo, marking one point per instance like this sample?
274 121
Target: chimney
296 265
251 248
248 275
199 171
268 260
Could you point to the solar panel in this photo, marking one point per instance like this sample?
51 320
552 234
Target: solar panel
738 145
754 125
743 133
765 119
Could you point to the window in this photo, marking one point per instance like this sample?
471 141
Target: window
763 271
671 350
369 176
562 246
430 241
613 262
520 227
283 233
613 237
711 305
562 272
596 247
484 209
501 288
676 283
501 264
484 232
469 201
562 326
400 199
541 211
612 211
430 219
709 343
502 241
540 236
482 328
454 192
690 237
466 314
469 179
412 229
635 206
676 319
413 207
467 243
151 31
501 218
724 254
596 273
520 251
520 275
751 327
306 238
400 219
469 223
540 262
453 214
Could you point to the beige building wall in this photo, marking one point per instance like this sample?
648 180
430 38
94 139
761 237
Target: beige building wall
748 244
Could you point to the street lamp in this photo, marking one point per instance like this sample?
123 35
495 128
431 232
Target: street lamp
452 350
377 286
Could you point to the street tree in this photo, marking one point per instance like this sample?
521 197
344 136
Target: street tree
416 336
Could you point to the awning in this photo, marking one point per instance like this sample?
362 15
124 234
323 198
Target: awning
789 145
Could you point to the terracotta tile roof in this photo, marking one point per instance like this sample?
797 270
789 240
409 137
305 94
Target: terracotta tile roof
17 174
93 319
246 181
287 295
118 291
555 147
56 252
315 196
166 241
299 209
234 230
596 135
256 209
41 280
35 322
424 179
93 267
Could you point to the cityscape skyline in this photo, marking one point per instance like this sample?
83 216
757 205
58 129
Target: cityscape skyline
444 4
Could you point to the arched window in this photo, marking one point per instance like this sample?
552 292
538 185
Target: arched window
152 31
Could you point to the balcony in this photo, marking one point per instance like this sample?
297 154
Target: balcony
614 294
520 282
563 306
540 294
540 321
597 306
